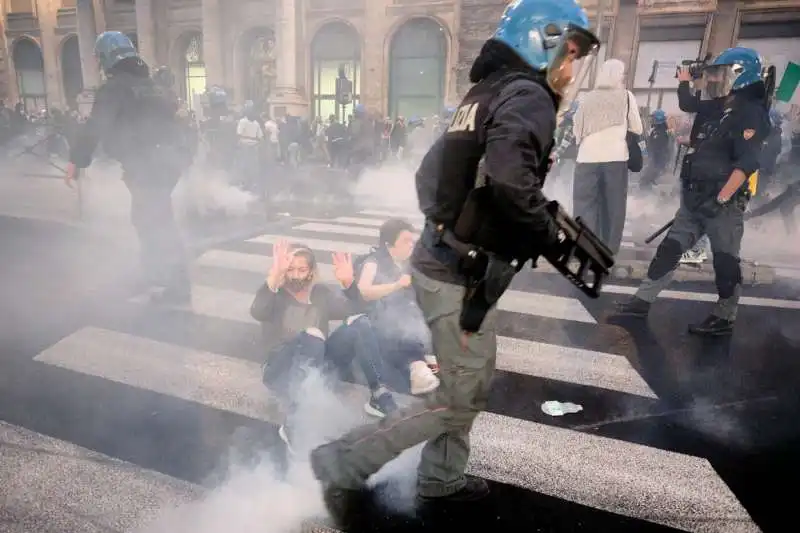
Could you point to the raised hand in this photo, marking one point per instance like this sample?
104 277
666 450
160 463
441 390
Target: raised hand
343 268
281 260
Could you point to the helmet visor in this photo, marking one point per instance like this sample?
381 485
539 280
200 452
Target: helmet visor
718 80
565 47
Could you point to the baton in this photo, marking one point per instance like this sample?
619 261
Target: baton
661 230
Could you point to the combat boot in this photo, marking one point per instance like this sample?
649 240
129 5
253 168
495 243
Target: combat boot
346 507
634 307
474 490
712 326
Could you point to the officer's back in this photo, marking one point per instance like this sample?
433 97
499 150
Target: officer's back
510 115
133 118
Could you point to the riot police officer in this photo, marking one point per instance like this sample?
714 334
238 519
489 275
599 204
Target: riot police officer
659 144
135 119
721 158
507 118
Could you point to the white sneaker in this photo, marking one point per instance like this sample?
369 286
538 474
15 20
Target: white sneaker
432 363
423 381
694 257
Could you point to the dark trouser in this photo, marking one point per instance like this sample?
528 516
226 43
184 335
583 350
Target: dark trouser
650 174
163 258
444 421
288 363
600 198
724 231
403 339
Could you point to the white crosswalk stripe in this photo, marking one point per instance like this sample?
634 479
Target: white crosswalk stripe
630 479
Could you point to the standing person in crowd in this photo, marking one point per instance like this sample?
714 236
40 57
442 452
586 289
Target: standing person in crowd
601 123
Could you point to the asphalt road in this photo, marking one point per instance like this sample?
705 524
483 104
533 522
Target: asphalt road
113 413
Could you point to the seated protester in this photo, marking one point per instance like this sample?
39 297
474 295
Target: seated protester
295 314
392 308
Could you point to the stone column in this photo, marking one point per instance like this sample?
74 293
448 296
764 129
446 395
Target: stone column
286 95
212 43
87 34
146 31
723 27
48 20
99 15
626 33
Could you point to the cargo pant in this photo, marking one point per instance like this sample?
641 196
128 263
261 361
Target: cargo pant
724 231
443 422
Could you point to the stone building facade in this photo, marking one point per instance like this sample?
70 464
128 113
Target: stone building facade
404 56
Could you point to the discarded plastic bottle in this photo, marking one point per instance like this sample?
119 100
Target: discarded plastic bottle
560 409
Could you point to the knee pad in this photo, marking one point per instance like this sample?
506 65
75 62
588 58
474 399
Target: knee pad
667 256
728 274
315 332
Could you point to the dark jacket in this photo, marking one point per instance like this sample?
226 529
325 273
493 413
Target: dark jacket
517 122
283 317
133 118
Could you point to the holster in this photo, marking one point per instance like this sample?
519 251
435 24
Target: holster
487 277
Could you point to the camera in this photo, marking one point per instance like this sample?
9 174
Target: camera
695 66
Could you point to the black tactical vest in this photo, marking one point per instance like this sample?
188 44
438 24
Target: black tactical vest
449 170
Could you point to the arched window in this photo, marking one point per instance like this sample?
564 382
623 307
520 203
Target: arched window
29 64
417 63
194 69
336 45
71 71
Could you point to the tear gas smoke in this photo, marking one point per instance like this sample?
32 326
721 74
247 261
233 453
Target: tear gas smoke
210 193
388 188
256 498
106 200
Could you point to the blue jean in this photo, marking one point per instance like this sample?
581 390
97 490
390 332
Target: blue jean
403 339
288 363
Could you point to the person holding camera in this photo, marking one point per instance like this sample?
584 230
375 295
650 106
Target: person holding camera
724 152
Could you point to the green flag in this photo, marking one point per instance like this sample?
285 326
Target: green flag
791 78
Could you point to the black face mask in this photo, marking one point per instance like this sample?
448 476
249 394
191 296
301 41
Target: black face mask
297 284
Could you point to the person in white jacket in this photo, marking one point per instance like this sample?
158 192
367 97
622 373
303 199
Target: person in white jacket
601 123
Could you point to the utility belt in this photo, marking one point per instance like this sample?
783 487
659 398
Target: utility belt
487 274
702 187
699 191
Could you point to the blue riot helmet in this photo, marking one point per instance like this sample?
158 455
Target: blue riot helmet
359 109
111 47
548 35
659 116
732 70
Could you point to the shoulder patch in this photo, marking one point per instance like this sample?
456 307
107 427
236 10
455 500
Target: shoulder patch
748 134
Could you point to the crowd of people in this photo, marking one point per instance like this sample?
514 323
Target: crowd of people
591 151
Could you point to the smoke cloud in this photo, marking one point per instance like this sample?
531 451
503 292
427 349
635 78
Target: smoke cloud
263 496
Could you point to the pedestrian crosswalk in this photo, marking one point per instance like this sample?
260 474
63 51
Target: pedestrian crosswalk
551 347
